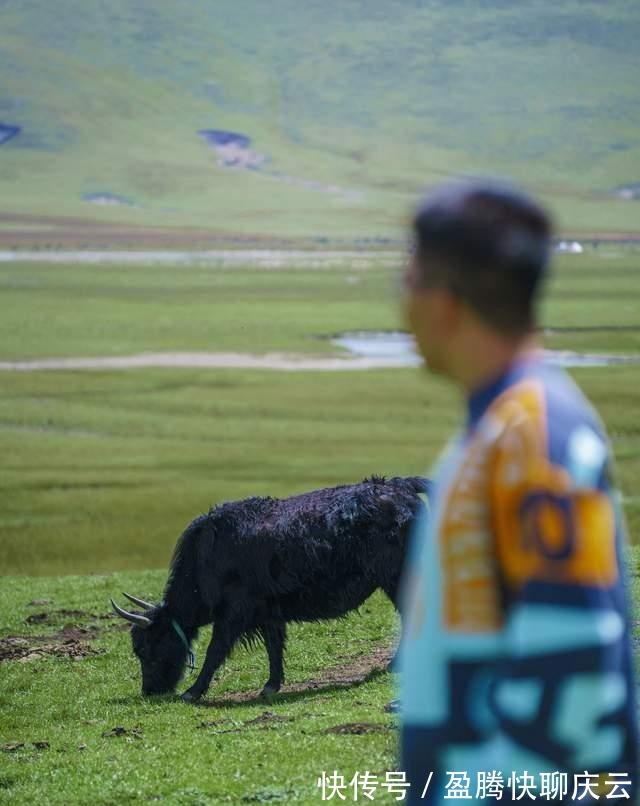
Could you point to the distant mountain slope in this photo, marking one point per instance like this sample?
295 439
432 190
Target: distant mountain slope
351 108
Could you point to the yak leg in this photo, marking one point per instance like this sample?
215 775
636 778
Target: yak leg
275 636
391 590
221 644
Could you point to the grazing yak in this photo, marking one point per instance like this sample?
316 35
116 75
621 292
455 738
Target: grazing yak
250 567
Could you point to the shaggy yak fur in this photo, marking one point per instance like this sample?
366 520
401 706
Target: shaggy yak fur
250 567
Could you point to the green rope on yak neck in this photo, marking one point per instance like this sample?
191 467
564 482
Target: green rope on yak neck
187 645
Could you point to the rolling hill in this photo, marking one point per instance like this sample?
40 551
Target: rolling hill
350 109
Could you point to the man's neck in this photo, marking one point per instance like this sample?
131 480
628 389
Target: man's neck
489 355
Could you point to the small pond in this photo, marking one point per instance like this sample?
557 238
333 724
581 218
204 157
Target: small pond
400 347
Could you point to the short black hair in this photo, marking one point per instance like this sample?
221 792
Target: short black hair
493 246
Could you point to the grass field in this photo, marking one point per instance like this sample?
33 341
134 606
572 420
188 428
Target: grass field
228 750
182 755
52 310
102 470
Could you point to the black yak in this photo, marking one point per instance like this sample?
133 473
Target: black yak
250 567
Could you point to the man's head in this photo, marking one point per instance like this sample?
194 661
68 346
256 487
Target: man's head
481 251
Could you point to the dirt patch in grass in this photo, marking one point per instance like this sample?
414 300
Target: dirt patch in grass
72 617
64 644
272 795
11 747
215 723
70 641
358 728
120 730
55 615
265 720
353 672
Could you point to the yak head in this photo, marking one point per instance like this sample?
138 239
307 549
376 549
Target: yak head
159 643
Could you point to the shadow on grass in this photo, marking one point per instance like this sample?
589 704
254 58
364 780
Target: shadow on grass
350 674
154 700
290 694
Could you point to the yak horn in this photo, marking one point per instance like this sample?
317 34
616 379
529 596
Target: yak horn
139 602
134 618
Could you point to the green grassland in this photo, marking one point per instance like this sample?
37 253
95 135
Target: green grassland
67 310
191 755
176 753
101 471
378 97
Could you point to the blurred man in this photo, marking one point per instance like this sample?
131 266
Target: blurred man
516 671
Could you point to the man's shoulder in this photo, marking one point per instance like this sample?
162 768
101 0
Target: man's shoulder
545 411
544 393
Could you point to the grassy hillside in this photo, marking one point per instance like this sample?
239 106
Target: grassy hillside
356 106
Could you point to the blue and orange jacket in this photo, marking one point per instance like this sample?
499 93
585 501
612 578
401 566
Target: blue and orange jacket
516 656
